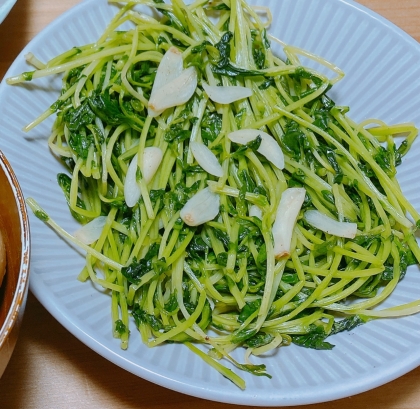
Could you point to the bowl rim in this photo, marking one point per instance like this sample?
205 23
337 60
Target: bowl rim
19 298
5 9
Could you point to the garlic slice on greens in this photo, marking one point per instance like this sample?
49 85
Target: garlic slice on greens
90 232
206 159
226 94
287 212
170 67
201 208
176 92
152 157
268 147
328 225
255 211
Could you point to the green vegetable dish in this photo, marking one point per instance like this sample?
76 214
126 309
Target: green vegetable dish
225 200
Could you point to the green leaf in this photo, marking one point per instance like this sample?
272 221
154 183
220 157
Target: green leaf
224 66
259 57
322 249
321 119
177 198
257 370
76 118
383 159
121 328
141 317
290 278
172 304
402 150
331 158
160 266
155 195
222 259
370 288
221 6
407 259
328 196
137 269
64 181
81 143
259 340
314 339
211 125
388 273
200 47
252 145
346 324
262 256
265 40
242 335
222 236
366 240
249 309
41 215
27 76
294 140
302 73
177 134
269 82
107 109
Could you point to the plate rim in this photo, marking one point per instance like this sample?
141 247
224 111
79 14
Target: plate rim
6 8
60 314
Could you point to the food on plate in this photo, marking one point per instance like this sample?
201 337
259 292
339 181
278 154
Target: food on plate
2 257
225 200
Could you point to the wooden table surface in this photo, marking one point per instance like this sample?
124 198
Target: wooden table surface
51 369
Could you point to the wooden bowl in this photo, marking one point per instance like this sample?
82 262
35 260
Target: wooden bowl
14 225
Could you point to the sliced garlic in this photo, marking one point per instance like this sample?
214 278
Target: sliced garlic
170 67
206 159
255 211
226 95
176 92
328 225
287 212
268 148
152 157
201 208
132 192
91 231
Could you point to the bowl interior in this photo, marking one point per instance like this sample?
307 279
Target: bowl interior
14 227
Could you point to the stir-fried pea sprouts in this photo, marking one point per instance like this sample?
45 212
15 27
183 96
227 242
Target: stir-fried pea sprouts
218 285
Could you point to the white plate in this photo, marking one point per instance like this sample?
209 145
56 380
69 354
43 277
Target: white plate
383 80
5 7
